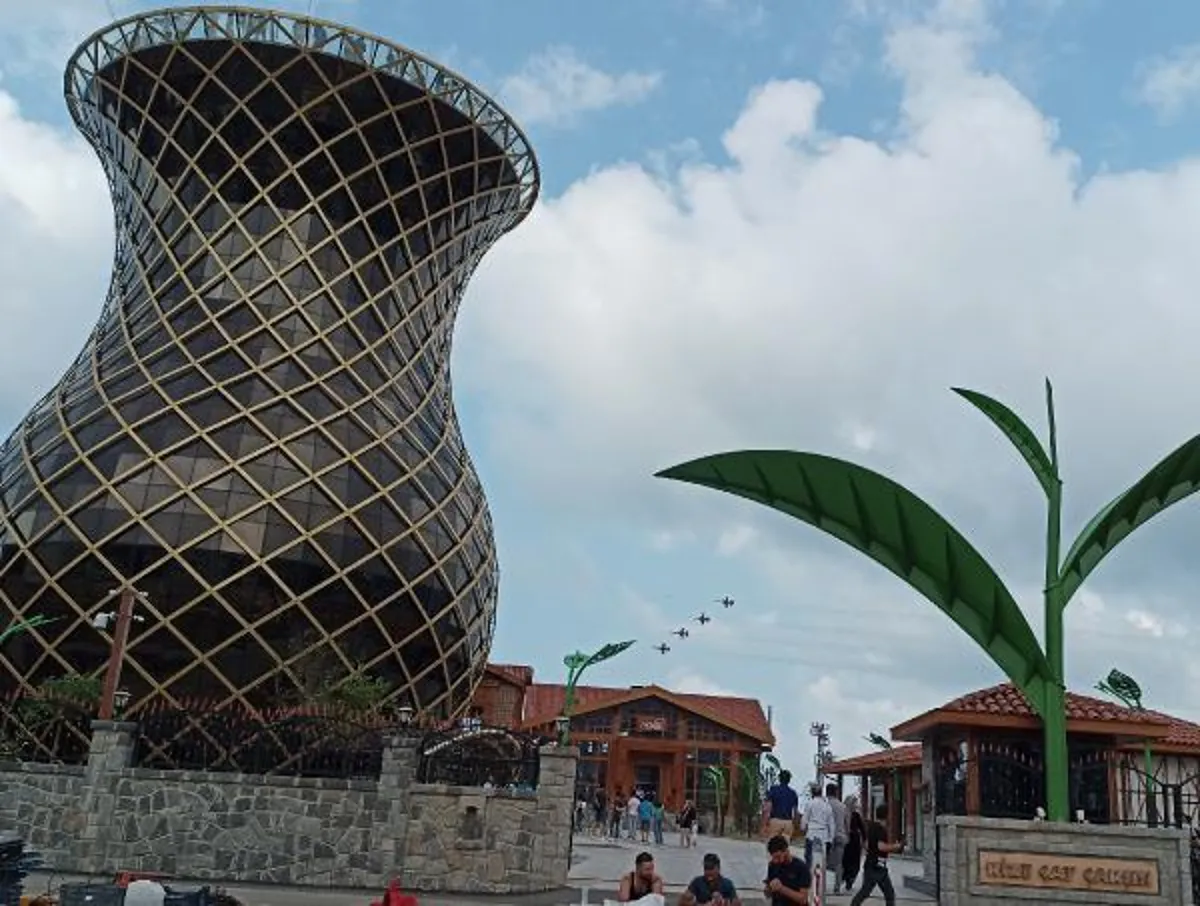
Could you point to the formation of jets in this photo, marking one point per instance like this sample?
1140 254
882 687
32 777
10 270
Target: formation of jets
702 618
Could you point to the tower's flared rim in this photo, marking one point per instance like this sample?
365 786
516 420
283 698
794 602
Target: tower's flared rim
177 25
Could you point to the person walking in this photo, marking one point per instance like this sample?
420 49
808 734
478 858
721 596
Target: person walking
817 824
657 816
686 821
875 867
616 814
645 816
852 857
841 834
632 808
780 807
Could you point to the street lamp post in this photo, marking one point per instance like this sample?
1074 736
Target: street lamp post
116 654
1125 689
576 663
881 742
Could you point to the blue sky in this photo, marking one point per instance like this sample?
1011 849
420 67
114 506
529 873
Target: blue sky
766 224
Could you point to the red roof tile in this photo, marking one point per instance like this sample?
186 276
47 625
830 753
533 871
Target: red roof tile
906 756
544 702
520 674
1181 734
1008 701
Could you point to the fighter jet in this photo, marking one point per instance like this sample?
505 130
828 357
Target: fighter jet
726 602
703 618
681 632
663 648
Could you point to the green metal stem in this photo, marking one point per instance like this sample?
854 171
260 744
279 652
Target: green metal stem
1149 759
573 674
1054 720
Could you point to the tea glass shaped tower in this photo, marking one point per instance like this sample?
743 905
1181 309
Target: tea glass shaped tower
259 432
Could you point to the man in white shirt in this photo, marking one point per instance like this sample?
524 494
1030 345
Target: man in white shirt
841 834
819 831
631 815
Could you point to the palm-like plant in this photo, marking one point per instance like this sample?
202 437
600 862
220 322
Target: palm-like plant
902 533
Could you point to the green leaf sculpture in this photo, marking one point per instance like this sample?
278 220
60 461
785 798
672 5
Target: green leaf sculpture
902 533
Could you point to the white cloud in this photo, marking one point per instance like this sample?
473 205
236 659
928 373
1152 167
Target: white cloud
735 539
809 290
823 291
684 680
56 222
1171 84
555 87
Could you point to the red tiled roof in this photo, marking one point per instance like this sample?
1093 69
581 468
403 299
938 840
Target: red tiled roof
906 756
1182 735
518 674
1008 701
544 702
1005 706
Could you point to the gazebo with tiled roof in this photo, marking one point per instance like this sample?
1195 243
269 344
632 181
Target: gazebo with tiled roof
980 754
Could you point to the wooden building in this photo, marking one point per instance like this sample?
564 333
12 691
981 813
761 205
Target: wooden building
981 755
640 738
890 777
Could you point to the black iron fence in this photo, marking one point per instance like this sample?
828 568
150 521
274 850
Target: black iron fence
297 742
41 728
478 755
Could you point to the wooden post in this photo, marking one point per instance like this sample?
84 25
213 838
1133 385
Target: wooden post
116 654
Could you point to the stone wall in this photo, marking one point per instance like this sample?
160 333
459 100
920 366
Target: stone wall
1052 864
464 839
233 827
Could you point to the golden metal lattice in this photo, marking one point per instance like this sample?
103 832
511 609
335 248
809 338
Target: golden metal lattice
259 432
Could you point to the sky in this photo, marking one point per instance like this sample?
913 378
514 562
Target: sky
789 225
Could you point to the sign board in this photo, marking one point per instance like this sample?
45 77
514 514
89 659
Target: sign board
650 723
1048 871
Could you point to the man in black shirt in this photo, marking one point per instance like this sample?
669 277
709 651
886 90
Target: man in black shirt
640 882
788 878
875 866
710 887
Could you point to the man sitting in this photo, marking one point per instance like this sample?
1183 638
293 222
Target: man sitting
640 882
788 878
710 887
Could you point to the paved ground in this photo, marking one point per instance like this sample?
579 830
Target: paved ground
598 865
596 869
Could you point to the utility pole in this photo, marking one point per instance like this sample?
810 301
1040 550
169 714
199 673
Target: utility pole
820 732
116 653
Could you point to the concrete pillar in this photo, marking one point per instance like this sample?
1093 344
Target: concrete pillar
111 752
555 807
401 753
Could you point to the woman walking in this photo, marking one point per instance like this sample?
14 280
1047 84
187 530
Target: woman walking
852 855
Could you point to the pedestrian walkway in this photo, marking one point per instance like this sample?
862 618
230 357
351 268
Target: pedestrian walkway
597 866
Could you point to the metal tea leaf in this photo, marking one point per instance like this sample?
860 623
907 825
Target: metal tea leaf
1173 479
897 530
1019 433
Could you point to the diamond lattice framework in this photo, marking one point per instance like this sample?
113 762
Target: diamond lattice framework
259 432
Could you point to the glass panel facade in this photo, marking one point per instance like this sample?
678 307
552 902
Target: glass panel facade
259 434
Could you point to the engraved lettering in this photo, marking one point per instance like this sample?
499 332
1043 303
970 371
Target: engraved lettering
1059 872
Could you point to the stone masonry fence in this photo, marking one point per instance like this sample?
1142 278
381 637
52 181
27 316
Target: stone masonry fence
108 816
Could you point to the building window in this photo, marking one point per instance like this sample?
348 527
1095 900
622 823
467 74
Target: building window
598 724
701 730
650 718
590 775
590 747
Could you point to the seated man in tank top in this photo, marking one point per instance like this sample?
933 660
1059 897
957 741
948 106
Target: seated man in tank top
640 882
